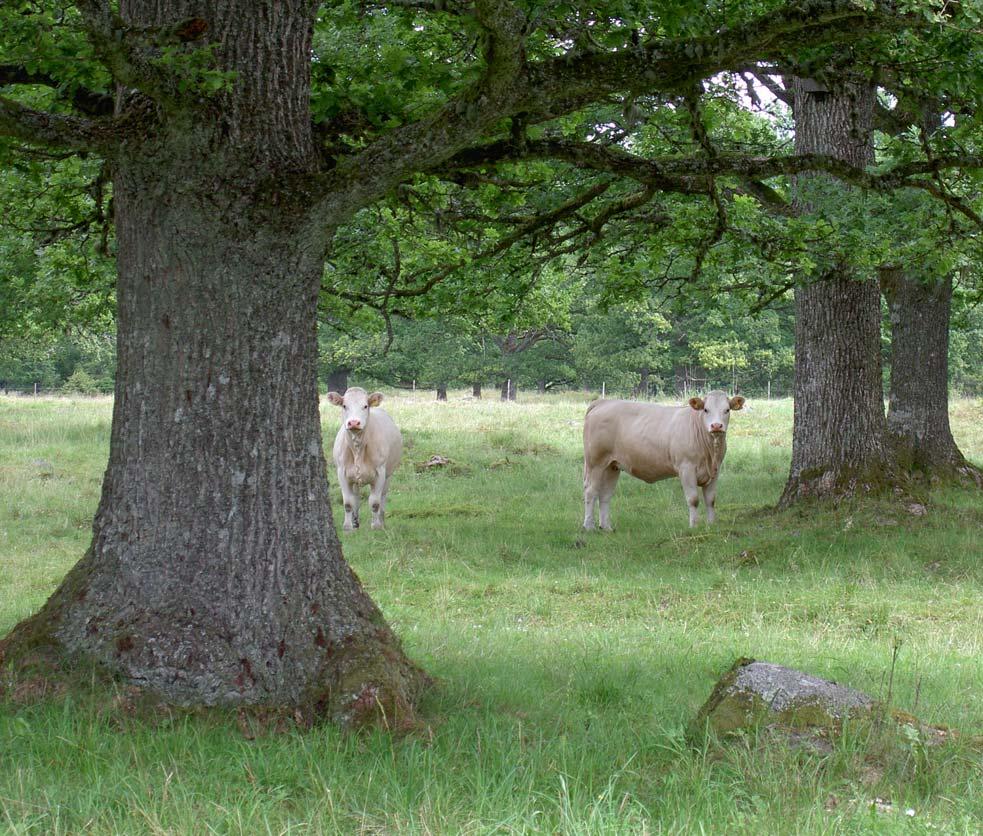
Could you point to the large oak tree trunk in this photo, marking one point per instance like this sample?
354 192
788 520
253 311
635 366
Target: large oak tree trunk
918 405
838 436
215 575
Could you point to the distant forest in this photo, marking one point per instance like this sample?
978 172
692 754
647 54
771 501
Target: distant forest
634 350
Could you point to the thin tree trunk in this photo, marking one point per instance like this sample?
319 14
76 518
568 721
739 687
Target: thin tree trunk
918 405
442 392
476 390
215 575
838 435
508 390
338 381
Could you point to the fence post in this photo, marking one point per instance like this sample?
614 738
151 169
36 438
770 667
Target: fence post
35 389
603 388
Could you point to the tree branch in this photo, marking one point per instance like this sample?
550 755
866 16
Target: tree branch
773 87
528 227
689 175
86 101
53 130
127 51
473 112
674 66
548 89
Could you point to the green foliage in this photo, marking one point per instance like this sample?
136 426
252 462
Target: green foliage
81 382
965 368
54 240
487 256
46 37
193 69
474 245
51 362
378 68
617 346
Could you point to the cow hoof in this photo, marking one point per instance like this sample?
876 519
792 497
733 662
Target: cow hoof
377 525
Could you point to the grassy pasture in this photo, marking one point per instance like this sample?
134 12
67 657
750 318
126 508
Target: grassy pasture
568 665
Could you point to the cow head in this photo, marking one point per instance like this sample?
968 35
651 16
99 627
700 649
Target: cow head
715 410
355 406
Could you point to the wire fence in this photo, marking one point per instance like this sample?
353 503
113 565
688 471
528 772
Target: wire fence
36 391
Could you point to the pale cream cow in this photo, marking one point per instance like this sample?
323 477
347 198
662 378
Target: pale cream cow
653 442
367 450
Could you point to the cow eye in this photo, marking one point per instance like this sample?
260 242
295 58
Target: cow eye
706 410
726 411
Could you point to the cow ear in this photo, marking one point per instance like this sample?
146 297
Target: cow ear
335 398
737 402
696 403
375 399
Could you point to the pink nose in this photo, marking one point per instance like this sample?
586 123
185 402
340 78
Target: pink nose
354 424
716 428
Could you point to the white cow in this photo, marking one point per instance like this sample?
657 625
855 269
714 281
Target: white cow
366 451
655 442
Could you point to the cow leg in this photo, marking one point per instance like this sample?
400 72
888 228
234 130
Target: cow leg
350 497
709 497
377 498
590 497
605 490
687 476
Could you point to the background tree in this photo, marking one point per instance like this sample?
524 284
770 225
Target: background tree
623 347
838 434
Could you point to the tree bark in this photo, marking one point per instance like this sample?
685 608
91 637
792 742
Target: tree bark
442 392
918 405
838 435
338 381
215 575
508 390
476 390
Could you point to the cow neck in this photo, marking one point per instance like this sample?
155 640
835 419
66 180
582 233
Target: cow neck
356 442
713 446
718 445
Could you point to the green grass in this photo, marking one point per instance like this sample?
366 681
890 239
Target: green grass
568 665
